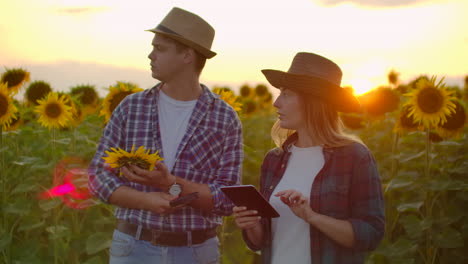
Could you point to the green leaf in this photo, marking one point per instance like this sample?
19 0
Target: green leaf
57 231
94 260
24 188
19 207
30 223
448 238
398 183
414 226
405 207
400 248
97 242
415 156
48 205
5 240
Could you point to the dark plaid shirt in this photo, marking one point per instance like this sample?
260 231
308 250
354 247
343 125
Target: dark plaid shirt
348 187
210 153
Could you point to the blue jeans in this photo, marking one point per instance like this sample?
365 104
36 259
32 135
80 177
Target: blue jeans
125 249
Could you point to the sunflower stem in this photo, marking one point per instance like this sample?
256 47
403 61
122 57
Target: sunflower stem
55 209
428 206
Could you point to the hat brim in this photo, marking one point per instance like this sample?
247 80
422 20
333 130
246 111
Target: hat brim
342 99
204 51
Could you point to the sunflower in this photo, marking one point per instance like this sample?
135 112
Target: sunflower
380 101
405 122
37 90
77 114
87 97
53 111
116 94
430 103
15 78
245 91
7 108
118 158
455 123
261 90
230 99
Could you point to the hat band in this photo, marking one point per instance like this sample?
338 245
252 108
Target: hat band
167 30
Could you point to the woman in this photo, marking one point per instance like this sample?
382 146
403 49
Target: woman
324 183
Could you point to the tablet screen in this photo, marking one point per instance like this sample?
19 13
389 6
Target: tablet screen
248 196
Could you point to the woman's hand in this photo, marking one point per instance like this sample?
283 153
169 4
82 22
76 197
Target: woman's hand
245 219
298 203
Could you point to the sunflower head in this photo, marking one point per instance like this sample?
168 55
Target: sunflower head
230 99
86 94
405 122
393 77
380 101
245 91
15 78
7 108
118 158
455 122
75 108
249 106
37 90
430 103
261 90
116 94
53 111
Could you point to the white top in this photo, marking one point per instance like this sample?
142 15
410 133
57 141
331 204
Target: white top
291 237
174 116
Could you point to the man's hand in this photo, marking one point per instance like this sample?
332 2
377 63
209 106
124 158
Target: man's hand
158 202
159 177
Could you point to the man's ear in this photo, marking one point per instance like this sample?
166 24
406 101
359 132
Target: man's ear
189 55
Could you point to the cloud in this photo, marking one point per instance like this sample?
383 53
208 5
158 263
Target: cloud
374 3
80 10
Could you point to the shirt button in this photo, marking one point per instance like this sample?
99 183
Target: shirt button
271 187
282 165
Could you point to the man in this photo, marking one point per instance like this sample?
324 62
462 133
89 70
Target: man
199 137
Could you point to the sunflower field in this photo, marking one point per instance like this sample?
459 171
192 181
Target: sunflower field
417 132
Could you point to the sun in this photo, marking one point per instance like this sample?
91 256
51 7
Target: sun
360 86
430 103
7 108
118 158
53 111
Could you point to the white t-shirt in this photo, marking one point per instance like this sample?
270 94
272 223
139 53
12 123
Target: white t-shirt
174 116
291 237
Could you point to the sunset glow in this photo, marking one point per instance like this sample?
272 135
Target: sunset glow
63 41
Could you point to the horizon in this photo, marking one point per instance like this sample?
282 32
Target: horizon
84 41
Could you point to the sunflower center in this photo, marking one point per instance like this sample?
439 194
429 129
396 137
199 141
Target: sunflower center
457 119
3 105
430 100
53 110
137 161
117 98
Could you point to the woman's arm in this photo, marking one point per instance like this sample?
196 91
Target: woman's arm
341 231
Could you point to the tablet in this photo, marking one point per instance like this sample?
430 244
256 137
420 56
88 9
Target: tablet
247 195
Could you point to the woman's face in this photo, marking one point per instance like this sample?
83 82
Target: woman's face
289 109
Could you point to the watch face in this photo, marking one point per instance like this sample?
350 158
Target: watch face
175 189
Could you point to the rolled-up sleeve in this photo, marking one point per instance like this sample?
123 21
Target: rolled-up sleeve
367 205
229 172
103 180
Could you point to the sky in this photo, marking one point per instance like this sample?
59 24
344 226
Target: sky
99 42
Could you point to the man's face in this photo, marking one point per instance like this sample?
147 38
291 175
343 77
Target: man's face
166 60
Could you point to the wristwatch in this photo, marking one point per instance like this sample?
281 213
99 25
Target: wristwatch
175 188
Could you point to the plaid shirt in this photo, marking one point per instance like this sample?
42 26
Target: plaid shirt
209 153
348 187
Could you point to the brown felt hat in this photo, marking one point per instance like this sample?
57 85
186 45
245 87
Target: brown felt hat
188 29
316 75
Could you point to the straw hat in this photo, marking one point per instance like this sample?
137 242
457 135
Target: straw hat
313 74
189 29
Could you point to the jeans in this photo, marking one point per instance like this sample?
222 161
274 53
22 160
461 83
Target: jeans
126 249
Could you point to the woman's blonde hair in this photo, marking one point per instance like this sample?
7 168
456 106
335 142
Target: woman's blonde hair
323 125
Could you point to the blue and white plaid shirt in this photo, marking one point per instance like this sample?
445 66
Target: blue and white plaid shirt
210 152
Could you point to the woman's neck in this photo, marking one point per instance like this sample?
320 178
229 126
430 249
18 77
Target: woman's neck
304 140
